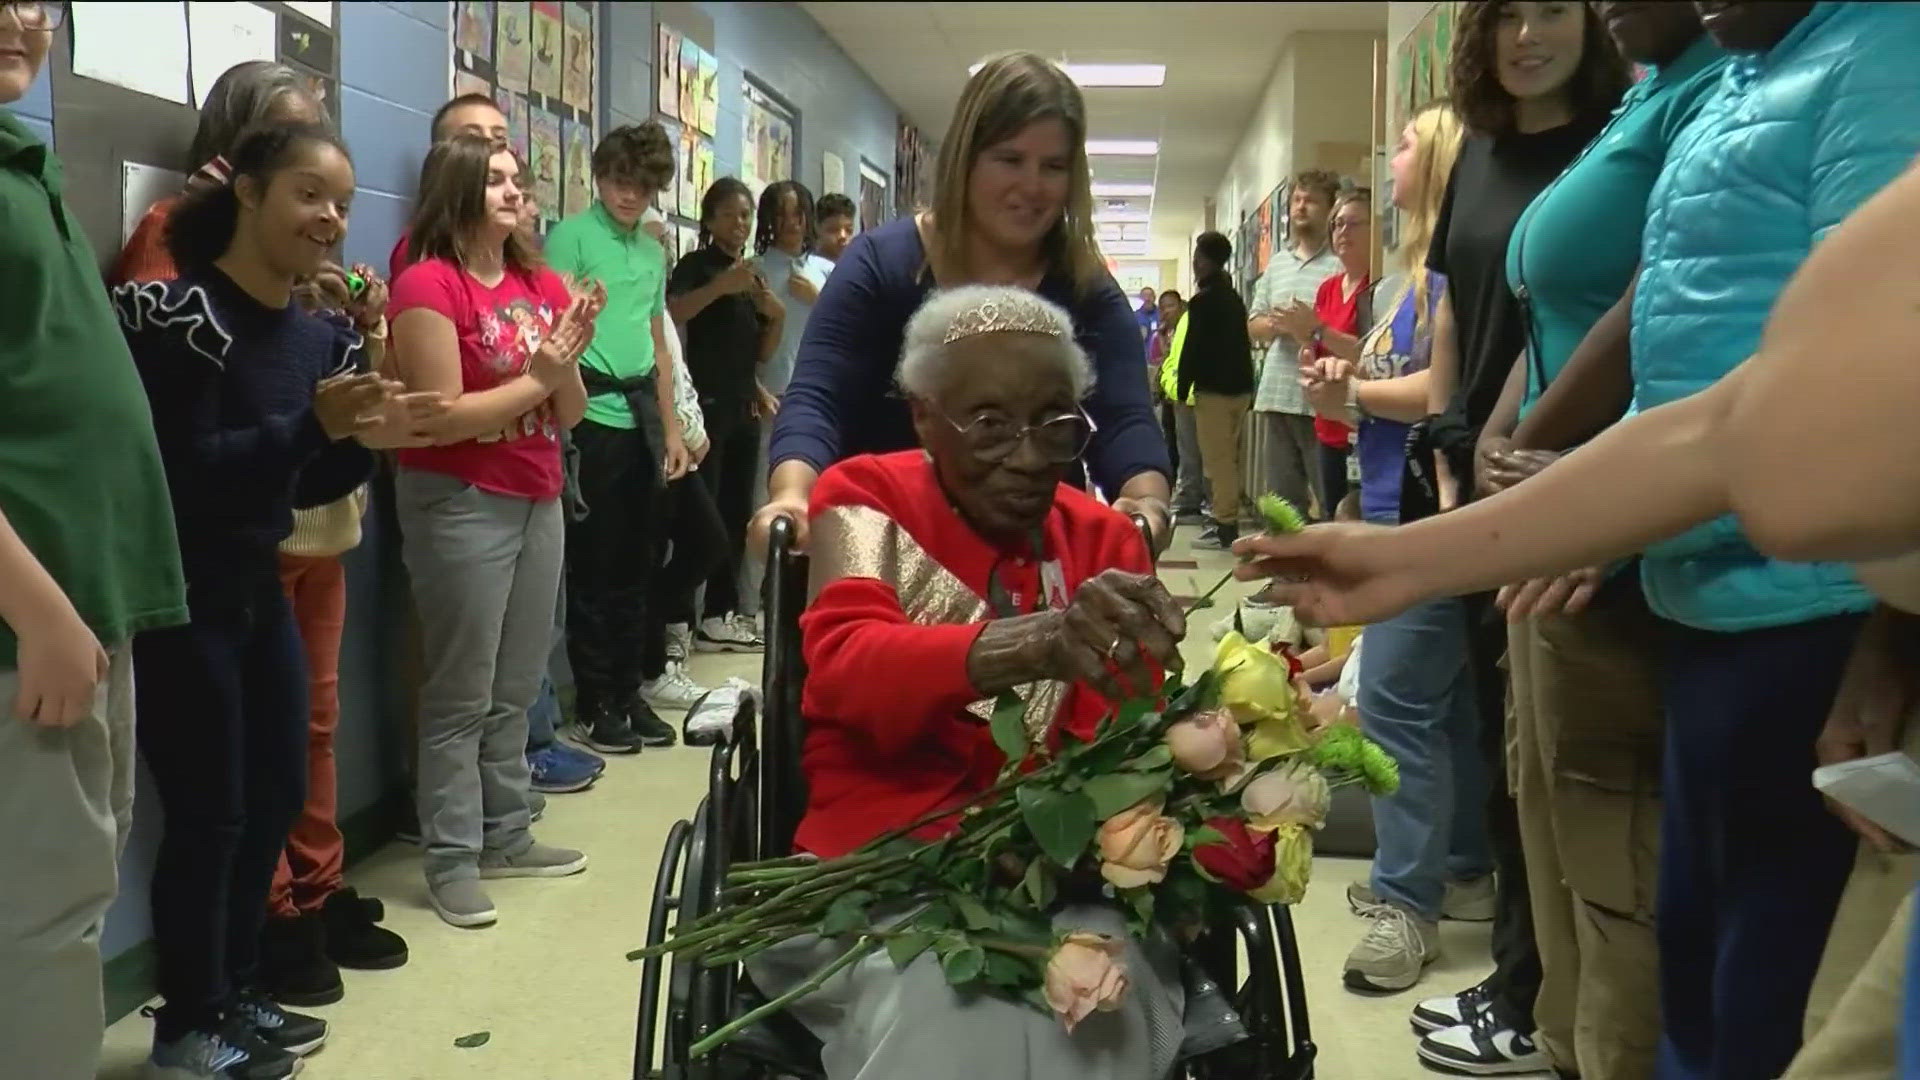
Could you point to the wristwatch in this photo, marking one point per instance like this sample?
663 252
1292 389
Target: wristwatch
1353 399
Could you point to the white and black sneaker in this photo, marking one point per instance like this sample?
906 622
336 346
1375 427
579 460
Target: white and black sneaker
731 633
1452 1010
1484 1046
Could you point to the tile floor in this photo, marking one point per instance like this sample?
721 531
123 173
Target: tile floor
551 984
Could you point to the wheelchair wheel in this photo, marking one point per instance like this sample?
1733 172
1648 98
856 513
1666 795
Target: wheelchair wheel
681 975
666 901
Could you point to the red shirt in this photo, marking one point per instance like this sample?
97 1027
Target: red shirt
1342 314
889 736
398 260
499 329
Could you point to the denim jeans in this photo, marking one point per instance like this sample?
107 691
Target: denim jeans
1417 701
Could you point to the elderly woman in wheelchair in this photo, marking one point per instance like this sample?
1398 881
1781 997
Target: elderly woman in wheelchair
940 579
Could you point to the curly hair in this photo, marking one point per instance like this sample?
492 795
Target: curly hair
637 154
1321 182
767 217
1486 108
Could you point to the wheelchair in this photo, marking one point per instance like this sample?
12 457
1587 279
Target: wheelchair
755 797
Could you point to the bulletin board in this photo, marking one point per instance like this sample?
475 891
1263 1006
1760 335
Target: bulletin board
540 61
687 106
124 118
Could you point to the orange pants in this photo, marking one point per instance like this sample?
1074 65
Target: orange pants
310 867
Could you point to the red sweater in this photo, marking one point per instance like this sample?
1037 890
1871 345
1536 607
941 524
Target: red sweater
1340 313
889 737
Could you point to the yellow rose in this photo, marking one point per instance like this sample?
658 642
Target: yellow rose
1276 736
1254 683
1292 866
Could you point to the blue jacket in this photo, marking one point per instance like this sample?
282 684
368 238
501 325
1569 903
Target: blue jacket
1792 141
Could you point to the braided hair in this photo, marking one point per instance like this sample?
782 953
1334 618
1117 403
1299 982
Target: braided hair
766 229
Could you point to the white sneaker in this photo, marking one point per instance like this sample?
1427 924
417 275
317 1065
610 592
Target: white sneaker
1484 1047
674 689
732 633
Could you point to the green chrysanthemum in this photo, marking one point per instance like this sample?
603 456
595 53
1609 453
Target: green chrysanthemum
1280 516
1343 749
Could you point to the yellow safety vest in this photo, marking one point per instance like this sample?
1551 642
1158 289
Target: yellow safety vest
1170 367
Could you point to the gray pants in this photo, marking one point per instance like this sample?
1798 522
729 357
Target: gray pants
485 571
66 804
1286 457
1190 487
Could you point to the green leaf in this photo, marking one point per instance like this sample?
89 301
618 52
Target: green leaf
1141 900
974 914
1103 757
1009 725
1061 821
1204 834
1008 971
1130 713
1039 884
1157 757
847 913
904 948
1115 792
964 964
468 1042
1198 696
937 915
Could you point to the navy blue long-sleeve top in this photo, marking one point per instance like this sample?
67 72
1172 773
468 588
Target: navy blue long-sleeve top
231 384
842 400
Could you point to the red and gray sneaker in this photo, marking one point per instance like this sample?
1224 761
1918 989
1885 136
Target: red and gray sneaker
1484 1046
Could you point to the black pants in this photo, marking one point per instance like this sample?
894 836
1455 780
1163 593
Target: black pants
1330 479
732 464
1515 981
699 542
222 722
1168 431
611 554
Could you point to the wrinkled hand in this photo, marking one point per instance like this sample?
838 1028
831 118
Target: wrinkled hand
801 288
1877 696
1117 627
1498 465
1159 518
1340 574
60 665
1568 594
404 421
347 405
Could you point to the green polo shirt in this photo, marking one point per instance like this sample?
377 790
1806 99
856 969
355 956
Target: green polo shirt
592 246
80 474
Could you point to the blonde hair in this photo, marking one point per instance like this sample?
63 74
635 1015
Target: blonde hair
1009 92
1437 132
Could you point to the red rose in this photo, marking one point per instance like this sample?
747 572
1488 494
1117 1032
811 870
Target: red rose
1242 859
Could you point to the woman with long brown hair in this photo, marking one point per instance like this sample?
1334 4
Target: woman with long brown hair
1013 205
482 320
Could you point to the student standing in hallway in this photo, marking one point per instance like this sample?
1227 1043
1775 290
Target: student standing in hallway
1216 368
88 559
1287 449
838 220
629 440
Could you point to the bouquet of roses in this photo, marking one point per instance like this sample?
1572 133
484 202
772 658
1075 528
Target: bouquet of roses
1180 805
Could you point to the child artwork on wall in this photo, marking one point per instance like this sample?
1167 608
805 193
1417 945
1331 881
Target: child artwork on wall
576 80
466 82
545 161
548 41
513 52
520 130
667 199
689 195
690 83
709 93
578 139
473 30
667 68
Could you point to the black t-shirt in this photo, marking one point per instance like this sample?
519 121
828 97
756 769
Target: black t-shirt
1493 181
723 341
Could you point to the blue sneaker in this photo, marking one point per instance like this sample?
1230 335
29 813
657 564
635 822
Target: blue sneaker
555 774
585 759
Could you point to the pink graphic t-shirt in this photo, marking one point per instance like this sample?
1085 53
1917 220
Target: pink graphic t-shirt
499 329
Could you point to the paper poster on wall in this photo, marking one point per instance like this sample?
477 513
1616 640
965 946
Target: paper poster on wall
685 195
520 129
689 72
667 199
473 28
548 41
320 11
141 46
689 240
833 174
873 195
545 161
709 93
578 141
466 82
666 70
703 175
140 187
512 45
576 78
222 35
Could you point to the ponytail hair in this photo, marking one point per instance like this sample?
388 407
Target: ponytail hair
202 224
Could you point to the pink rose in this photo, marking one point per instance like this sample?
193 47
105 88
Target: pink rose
1290 795
1136 845
1207 744
1084 976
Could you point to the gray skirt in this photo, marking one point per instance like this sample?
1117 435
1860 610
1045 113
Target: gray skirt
877 1022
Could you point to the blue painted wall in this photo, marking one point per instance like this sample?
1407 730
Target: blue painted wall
36 109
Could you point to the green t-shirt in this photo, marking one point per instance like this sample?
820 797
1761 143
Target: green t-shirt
592 246
80 474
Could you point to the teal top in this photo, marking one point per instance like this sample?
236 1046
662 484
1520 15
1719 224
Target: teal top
1576 247
591 246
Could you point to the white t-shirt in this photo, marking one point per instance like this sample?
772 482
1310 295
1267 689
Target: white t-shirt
686 404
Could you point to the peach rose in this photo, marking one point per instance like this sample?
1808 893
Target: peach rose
1289 795
1137 843
1084 976
1207 744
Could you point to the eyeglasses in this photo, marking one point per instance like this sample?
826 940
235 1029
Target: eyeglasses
36 14
1060 440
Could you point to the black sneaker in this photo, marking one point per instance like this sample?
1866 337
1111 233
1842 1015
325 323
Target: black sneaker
232 1052
1483 1046
600 726
287 1031
1435 1014
294 966
1218 537
646 723
354 937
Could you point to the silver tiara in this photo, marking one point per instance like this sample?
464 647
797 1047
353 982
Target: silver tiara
996 316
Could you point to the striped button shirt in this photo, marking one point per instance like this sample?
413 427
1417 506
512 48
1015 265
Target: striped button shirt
1288 278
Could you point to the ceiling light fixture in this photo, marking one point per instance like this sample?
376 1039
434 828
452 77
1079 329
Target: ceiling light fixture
1105 188
1092 75
1123 147
1102 217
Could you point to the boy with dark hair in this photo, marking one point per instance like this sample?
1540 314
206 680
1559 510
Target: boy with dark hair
88 558
629 442
1216 367
837 223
